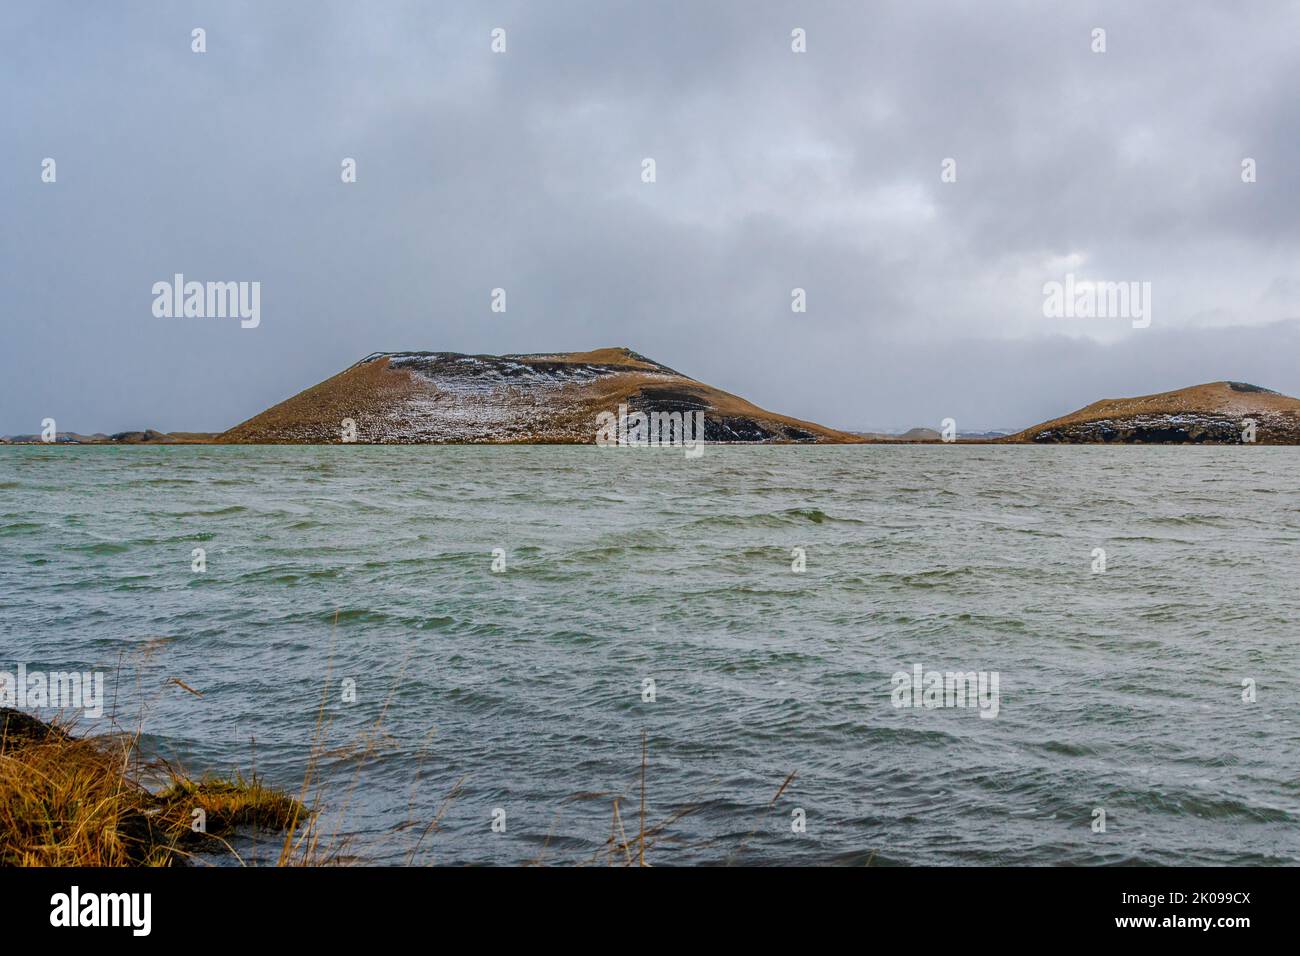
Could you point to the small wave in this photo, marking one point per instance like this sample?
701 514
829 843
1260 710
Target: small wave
1184 521
218 513
1063 748
20 527
102 547
1214 808
773 519
616 550
931 578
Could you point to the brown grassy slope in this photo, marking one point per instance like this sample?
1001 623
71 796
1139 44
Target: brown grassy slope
1211 412
379 398
357 392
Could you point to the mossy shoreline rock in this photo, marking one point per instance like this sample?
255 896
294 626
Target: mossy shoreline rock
18 728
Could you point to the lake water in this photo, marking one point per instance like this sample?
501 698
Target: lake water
1120 691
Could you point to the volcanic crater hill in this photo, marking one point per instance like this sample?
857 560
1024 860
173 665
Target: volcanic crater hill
1215 413
447 397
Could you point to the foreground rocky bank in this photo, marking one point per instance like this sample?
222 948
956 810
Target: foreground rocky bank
68 800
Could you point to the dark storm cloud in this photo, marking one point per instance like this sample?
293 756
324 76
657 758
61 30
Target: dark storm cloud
775 171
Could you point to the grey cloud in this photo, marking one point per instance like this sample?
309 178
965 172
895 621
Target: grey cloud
522 171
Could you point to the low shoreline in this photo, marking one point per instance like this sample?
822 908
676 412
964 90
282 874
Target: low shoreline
1011 440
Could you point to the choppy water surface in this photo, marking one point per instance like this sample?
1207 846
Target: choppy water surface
1120 690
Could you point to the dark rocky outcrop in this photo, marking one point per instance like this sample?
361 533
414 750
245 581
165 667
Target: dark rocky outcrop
19 729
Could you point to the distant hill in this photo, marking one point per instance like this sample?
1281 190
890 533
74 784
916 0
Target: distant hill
147 437
434 397
1215 413
911 435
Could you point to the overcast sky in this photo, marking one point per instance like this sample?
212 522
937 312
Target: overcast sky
523 170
